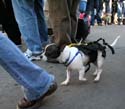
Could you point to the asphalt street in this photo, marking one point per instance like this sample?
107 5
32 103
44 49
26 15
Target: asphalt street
108 93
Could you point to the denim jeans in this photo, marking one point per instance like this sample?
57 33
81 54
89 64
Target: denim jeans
82 6
94 8
121 9
30 18
108 7
124 9
34 79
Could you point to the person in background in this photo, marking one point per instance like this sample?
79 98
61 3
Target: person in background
9 24
114 11
31 20
108 10
121 12
124 12
94 9
37 83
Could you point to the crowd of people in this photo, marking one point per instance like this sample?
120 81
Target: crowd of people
104 11
32 27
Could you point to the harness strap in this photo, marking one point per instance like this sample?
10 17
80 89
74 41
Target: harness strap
68 62
104 42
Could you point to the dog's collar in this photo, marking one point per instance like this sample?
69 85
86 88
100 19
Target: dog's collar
68 61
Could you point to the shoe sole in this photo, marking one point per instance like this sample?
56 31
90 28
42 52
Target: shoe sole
36 106
34 58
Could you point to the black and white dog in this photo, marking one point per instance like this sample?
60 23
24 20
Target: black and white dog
79 56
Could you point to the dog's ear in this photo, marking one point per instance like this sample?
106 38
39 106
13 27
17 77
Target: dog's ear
52 51
62 47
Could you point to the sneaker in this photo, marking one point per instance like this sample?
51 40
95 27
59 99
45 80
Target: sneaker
119 21
24 103
31 56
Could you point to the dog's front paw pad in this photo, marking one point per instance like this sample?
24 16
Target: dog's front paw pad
64 83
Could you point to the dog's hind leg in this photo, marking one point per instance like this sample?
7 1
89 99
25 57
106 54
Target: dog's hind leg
67 78
100 61
96 71
82 74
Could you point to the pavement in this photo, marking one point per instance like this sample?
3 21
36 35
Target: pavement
108 93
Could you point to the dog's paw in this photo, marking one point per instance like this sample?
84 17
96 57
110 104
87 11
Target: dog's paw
97 79
95 73
64 83
83 79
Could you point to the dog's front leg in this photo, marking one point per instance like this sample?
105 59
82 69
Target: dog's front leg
67 78
82 74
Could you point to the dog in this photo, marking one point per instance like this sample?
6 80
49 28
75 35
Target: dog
78 57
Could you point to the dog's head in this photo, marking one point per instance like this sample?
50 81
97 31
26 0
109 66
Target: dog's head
51 51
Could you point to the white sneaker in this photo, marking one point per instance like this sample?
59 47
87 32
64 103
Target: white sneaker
31 56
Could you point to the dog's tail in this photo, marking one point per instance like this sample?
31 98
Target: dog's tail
115 41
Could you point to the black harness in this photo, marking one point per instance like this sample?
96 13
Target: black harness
91 49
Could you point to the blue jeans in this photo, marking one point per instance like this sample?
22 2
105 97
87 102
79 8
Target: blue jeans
108 8
121 9
82 6
34 79
94 8
124 9
30 18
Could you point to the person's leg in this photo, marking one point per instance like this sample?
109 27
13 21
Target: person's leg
73 6
123 8
61 23
90 10
3 17
99 9
27 20
119 12
123 12
39 4
33 78
114 11
8 22
13 30
107 10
